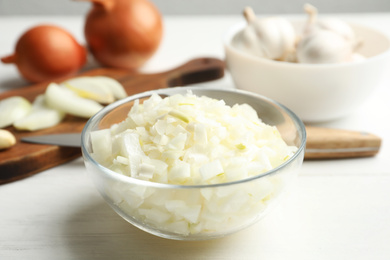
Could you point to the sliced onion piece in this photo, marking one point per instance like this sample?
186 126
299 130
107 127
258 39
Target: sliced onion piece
91 88
116 88
12 109
67 101
40 117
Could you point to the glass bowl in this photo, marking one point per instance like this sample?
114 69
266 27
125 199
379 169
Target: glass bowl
196 212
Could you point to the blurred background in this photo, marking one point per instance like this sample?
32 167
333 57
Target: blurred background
196 7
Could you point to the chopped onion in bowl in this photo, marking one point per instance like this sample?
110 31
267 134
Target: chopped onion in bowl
192 140
199 140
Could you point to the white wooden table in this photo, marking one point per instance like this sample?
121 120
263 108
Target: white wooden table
338 209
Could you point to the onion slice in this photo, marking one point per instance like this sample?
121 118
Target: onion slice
89 87
67 101
102 89
115 87
12 109
40 117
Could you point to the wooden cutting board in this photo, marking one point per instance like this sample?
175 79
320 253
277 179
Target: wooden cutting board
26 159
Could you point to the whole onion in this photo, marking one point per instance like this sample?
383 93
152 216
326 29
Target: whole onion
123 33
47 52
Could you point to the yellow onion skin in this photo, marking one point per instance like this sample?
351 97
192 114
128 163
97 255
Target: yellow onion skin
47 52
123 33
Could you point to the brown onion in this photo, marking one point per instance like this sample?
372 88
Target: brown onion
123 33
47 52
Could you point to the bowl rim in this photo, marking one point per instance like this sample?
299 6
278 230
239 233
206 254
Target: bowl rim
237 27
123 178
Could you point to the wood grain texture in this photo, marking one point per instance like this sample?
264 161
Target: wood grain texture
326 143
26 159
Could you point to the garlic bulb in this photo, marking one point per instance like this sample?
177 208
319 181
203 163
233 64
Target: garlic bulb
271 37
327 41
323 47
331 24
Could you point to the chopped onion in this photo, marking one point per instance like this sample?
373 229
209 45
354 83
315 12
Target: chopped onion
191 140
204 132
210 170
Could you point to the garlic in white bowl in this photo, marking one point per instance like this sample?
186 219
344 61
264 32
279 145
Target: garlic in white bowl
322 41
328 40
316 92
269 37
323 47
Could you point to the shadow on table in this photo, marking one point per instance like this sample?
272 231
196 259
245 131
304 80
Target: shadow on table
95 231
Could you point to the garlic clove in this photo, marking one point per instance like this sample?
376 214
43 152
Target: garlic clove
40 117
12 109
7 139
89 87
67 101
323 47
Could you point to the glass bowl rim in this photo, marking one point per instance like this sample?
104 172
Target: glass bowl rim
114 175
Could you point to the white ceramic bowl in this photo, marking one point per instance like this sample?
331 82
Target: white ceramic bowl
315 92
222 208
